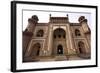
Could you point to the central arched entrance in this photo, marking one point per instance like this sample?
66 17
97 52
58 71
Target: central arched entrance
59 33
59 42
59 49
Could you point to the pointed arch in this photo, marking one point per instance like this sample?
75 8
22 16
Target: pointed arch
81 47
59 33
35 49
77 32
40 33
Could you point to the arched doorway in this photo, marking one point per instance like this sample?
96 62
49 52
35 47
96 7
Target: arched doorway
59 41
35 49
82 50
59 49
81 47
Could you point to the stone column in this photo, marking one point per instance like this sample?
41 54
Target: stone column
49 49
71 49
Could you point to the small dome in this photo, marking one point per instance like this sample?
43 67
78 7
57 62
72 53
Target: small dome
35 17
81 18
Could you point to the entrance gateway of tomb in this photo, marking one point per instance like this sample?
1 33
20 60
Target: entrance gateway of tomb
58 39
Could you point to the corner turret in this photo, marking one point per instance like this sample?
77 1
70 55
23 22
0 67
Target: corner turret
83 21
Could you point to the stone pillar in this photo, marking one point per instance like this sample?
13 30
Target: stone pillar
71 49
50 39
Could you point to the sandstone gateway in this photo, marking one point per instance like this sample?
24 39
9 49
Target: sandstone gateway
56 40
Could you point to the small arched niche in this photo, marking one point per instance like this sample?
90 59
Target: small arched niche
35 49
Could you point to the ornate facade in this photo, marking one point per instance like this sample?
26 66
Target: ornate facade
58 40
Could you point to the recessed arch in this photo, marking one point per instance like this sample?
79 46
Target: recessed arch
35 49
40 33
59 33
59 38
77 32
81 47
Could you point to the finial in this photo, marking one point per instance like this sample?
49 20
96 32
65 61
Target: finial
67 15
50 15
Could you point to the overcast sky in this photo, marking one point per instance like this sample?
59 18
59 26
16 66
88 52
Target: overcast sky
44 16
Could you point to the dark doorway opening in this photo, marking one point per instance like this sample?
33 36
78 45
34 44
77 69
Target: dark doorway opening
59 49
37 54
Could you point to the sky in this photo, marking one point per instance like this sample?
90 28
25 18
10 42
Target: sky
43 12
43 16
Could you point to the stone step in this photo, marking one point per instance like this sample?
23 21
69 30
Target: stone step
47 60
74 57
60 58
85 56
57 58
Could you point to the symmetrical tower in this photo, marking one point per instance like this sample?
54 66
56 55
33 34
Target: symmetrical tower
28 33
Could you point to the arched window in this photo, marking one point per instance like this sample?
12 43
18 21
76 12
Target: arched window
81 47
77 32
35 49
40 33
